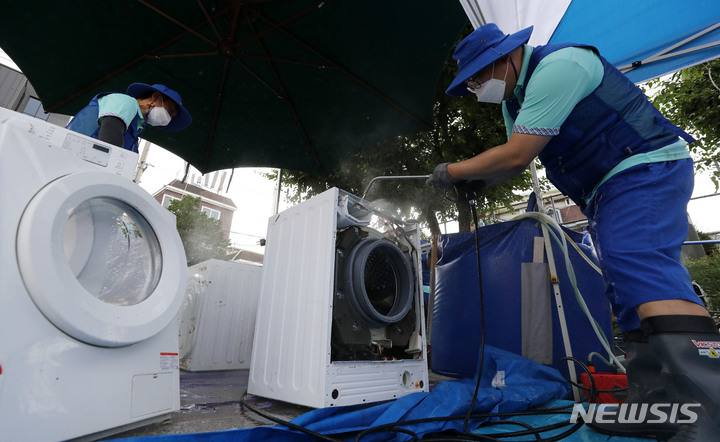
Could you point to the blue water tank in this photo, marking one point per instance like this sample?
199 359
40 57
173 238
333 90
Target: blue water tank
506 251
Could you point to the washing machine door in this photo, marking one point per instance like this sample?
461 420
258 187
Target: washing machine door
101 259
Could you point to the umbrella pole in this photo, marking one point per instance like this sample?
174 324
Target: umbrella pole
276 204
142 164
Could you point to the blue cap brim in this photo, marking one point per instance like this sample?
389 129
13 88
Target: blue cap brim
181 120
458 88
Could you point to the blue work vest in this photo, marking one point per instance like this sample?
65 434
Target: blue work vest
86 123
614 122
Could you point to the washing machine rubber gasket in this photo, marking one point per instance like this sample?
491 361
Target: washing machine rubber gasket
357 288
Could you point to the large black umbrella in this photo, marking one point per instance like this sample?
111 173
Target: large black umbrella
296 84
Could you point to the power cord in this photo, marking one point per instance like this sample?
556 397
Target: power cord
393 427
288 424
593 391
459 436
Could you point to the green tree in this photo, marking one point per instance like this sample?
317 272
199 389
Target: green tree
706 272
710 249
462 129
201 236
691 99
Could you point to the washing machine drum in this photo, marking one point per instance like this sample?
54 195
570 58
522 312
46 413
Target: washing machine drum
101 259
379 282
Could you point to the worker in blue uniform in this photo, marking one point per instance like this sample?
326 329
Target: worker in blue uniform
610 150
120 119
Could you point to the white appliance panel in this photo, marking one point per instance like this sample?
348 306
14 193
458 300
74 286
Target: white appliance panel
290 353
217 319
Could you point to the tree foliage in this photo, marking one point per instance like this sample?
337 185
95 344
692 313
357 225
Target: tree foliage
462 129
691 99
202 237
710 249
706 272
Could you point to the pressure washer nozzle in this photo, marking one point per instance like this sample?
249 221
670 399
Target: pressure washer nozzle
393 177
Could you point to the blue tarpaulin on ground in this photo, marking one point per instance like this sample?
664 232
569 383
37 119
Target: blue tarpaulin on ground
509 383
583 434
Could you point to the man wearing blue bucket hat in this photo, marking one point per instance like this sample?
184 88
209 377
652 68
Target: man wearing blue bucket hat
120 119
610 150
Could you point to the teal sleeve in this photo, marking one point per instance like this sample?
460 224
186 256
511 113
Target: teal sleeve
560 81
121 106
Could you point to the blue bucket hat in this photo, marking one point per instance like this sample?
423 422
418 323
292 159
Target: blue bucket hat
482 47
181 120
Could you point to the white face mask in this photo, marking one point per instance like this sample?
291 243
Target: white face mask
493 90
159 116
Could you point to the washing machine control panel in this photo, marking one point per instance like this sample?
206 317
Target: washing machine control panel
112 158
94 153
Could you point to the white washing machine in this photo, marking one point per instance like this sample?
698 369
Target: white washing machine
340 318
92 274
217 317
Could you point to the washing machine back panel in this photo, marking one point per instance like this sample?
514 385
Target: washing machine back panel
291 346
218 324
49 137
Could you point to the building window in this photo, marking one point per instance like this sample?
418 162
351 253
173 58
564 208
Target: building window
34 108
167 199
211 213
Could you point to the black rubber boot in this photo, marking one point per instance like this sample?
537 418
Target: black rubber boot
644 387
688 348
643 370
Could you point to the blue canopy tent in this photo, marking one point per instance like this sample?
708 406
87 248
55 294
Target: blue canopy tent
643 39
656 39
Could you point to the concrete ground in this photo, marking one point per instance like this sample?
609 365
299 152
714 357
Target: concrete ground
211 401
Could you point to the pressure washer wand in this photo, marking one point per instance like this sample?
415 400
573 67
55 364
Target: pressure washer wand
393 177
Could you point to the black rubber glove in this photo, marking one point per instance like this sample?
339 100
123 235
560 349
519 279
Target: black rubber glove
440 178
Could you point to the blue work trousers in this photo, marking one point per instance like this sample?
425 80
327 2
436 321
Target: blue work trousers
638 221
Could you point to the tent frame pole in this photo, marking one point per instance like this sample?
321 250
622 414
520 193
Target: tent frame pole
668 52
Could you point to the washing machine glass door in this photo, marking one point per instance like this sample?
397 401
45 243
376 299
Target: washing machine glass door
112 251
101 259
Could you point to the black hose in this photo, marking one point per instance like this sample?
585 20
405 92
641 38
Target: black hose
290 425
473 208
